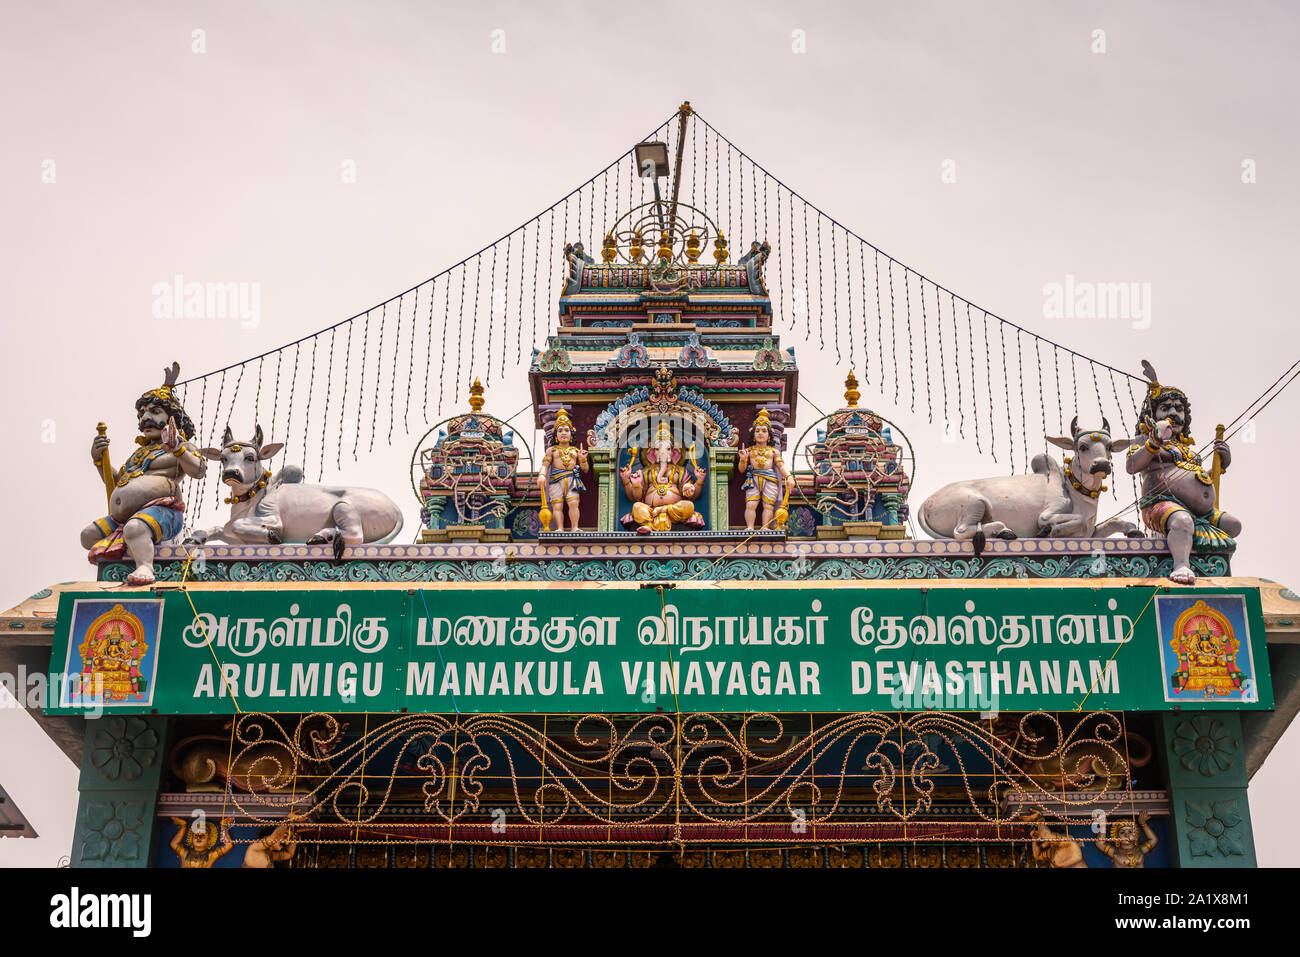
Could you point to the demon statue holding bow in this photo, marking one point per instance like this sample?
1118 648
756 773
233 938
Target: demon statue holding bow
144 503
1179 498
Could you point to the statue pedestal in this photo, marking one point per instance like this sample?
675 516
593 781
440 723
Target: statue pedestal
465 533
722 462
861 529
603 464
652 540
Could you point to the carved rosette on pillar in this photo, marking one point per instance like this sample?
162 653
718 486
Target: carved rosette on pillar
121 769
1205 764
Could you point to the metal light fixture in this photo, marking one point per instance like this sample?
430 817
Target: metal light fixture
652 154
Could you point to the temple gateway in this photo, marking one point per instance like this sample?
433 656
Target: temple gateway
683 608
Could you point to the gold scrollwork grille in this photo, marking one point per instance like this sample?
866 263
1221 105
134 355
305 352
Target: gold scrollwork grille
666 780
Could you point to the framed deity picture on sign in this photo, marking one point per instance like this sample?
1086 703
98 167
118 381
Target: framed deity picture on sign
112 653
1205 652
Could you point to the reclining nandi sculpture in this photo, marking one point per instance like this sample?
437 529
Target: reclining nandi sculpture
283 508
1051 502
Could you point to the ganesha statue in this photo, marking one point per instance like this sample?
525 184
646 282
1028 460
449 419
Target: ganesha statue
144 495
1179 497
663 491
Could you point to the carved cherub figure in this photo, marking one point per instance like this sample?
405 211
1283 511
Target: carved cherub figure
196 844
1053 848
275 846
1122 845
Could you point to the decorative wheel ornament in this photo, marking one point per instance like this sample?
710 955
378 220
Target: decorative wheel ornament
646 236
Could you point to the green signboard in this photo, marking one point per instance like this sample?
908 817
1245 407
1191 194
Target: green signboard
619 648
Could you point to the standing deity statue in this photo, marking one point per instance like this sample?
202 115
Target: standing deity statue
144 503
662 494
765 475
1122 847
559 476
1179 498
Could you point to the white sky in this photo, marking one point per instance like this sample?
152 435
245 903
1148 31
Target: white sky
224 166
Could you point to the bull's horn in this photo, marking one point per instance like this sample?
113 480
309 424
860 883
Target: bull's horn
1074 427
257 436
1105 426
227 437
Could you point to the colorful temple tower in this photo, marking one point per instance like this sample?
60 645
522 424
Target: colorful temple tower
655 345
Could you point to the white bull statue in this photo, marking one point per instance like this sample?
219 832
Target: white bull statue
285 509
1053 502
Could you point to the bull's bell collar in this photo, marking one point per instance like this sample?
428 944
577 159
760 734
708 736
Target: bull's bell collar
244 497
1079 486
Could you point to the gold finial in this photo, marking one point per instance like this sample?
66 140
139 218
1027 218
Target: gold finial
851 393
609 250
665 250
476 396
693 247
720 248
685 108
636 250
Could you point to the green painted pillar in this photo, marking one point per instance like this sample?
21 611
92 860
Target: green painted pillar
722 462
824 508
1205 771
602 463
498 520
121 767
435 505
892 502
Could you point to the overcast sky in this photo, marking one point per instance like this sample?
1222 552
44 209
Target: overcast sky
1169 159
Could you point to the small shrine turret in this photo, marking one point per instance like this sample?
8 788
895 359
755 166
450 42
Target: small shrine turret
859 483
467 480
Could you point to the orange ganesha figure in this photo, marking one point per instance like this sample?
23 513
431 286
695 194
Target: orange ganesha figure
663 493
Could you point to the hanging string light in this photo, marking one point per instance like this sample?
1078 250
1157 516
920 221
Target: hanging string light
795 289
